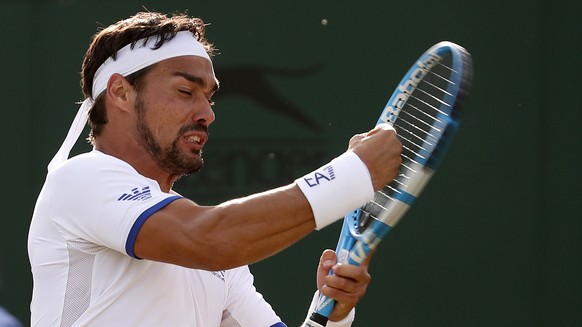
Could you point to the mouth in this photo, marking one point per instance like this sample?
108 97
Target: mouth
194 139
197 140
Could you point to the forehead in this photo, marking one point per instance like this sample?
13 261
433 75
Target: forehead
186 65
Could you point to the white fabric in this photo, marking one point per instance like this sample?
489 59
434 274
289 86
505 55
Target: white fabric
80 246
126 62
346 322
337 188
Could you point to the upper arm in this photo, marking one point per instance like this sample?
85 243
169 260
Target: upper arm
169 235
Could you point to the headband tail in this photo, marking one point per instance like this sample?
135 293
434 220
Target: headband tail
73 135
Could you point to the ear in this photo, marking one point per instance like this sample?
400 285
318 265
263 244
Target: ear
120 93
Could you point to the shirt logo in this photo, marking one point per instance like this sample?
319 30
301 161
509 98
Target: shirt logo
219 274
136 195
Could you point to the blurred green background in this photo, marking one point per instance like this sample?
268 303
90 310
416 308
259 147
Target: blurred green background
496 238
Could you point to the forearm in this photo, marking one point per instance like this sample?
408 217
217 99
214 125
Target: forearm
275 219
255 227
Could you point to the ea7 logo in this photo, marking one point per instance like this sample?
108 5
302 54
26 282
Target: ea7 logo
136 195
325 174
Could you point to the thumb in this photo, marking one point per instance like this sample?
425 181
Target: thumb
327 260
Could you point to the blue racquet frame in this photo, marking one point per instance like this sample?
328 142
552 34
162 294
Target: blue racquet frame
425 136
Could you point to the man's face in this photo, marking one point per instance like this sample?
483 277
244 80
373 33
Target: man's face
174 112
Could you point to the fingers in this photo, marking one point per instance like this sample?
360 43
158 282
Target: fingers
357 138
347 286
384 127
348 278
348 282
380 150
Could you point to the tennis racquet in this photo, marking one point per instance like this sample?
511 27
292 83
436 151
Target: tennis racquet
424 110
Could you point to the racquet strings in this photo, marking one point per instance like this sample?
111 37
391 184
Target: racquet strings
419 126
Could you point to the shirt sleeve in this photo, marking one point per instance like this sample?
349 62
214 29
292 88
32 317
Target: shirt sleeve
245 307
103 202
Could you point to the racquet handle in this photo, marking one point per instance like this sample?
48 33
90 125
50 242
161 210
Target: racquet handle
352 248
311 323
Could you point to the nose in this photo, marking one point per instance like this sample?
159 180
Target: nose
205 116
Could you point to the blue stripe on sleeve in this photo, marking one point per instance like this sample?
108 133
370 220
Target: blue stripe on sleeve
141 220
279 324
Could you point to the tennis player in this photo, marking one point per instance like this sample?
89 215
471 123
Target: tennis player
111 244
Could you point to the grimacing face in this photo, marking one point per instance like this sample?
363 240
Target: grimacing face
168 157
173 112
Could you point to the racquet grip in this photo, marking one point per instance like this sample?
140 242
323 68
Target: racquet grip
316 320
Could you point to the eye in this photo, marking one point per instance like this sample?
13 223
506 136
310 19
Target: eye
184 91
211 102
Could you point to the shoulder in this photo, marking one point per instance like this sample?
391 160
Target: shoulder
92 162
95 174
93 167
239 275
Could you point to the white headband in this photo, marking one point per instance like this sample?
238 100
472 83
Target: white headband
127 61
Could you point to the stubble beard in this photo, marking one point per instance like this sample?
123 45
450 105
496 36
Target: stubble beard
169 159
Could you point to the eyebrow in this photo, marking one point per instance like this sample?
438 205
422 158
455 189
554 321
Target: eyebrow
197 80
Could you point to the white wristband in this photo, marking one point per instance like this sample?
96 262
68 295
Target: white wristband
346 322
335 189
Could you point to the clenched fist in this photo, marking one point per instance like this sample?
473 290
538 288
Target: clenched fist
380 150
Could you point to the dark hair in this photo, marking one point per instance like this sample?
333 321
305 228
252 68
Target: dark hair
111 39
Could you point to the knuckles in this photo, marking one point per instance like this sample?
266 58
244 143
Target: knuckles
381 151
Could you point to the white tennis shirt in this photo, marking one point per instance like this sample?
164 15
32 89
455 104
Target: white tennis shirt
80 244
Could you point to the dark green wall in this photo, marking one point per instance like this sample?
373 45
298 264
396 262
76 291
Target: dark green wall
495 240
